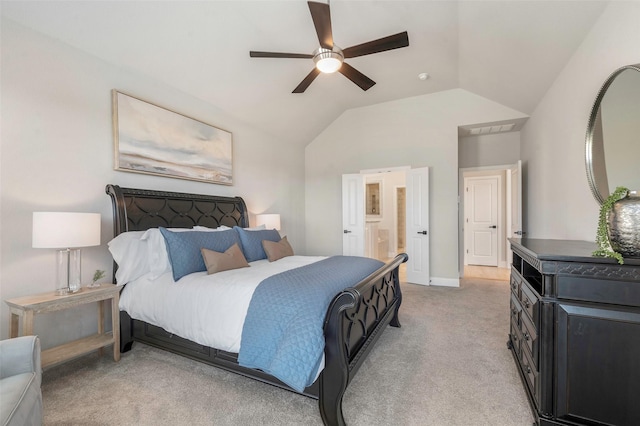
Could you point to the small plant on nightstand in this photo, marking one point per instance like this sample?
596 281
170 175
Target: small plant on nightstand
99 274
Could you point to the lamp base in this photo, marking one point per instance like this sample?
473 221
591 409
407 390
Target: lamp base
68 279
65 291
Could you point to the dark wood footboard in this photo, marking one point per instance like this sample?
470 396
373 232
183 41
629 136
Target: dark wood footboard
354 322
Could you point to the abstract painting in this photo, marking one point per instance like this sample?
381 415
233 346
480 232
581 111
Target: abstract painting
154 140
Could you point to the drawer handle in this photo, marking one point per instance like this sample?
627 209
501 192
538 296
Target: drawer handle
526 336
528 369
527 304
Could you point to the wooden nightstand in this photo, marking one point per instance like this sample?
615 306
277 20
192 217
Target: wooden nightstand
28 306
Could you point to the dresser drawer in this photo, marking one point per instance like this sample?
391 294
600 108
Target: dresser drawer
516 338
591 289
529 301
515 281
516 310
529 341
531 375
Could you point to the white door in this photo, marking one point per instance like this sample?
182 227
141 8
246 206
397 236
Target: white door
353 215
514 205
417 225
481 221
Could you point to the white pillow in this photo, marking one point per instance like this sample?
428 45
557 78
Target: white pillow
141 252
205 228
130 253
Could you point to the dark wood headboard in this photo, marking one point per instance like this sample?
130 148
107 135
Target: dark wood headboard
141 209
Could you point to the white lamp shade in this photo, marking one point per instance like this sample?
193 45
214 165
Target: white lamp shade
65 230
270 221
328 65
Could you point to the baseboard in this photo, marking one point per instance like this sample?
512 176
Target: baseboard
445 282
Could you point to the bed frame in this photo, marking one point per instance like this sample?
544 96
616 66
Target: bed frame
354 321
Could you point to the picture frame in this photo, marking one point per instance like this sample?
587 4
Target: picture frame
154 140
373 199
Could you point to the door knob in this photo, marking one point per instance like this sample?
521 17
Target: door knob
422 232
493 226
347 232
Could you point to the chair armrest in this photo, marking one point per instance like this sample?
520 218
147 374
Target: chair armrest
20 355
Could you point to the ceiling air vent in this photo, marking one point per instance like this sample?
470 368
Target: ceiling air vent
492 129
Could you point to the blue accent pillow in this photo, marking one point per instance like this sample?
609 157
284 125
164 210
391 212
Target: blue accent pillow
184 252
252 242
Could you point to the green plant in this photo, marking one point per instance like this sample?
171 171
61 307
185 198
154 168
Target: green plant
98 275
602 236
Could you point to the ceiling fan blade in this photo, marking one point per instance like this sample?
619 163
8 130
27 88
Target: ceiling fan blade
391 42
307 81
255 54
356 76
321 15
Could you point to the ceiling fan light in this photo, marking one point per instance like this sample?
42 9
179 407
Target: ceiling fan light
328 61
328 65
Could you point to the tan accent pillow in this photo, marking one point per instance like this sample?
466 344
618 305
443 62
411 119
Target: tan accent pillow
218 262
277 250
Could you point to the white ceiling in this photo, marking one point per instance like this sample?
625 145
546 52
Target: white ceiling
507 51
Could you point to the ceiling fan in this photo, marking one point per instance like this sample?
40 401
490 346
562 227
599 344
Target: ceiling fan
329 58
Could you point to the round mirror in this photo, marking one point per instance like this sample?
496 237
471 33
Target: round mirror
613 134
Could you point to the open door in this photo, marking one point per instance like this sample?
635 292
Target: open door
417 225
514 205
353 215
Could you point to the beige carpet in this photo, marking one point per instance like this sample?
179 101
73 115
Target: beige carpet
447 365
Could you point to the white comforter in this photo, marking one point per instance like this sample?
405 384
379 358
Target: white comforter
207 309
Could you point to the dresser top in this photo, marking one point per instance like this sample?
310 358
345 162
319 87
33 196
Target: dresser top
564 251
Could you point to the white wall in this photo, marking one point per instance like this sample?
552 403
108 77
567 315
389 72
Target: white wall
558 201
489 150
418 132
57 154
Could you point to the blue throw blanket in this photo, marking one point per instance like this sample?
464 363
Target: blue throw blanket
283 332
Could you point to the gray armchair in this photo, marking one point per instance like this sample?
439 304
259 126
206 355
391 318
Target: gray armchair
20 378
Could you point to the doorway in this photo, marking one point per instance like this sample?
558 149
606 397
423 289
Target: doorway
372 233
509 216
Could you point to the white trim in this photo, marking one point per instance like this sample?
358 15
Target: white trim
445 282
385 170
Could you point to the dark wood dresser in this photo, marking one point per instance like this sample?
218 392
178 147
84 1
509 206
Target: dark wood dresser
575 333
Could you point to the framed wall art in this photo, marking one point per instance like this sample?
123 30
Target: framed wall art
154 140
373 199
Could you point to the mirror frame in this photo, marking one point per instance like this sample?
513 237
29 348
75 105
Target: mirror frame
591 127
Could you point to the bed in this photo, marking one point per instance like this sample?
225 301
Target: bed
353 322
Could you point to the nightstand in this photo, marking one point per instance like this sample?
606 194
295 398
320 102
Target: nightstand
28 306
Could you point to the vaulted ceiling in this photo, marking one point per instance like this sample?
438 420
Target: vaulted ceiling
507 51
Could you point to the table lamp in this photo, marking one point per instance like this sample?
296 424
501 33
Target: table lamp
66 232
270 221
